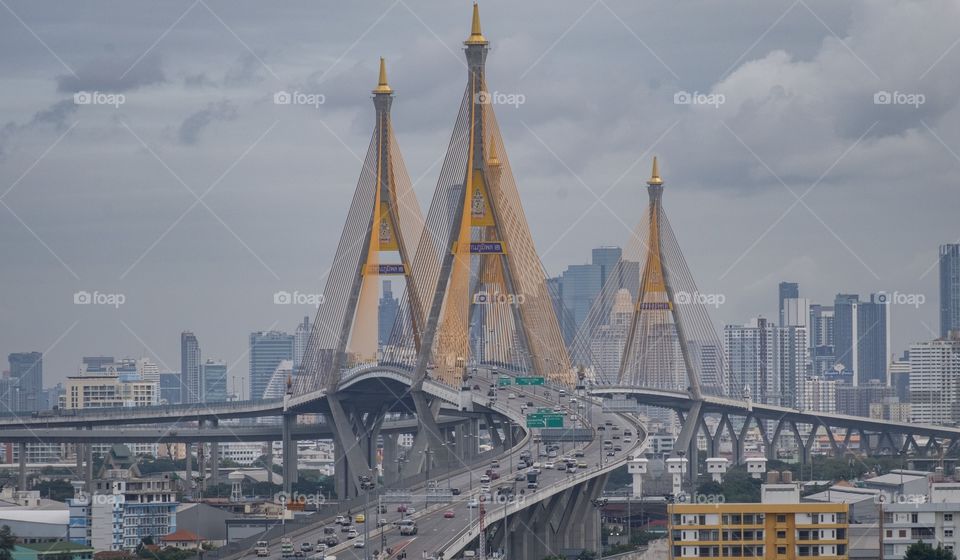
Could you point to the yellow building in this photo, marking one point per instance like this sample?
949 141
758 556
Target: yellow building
778 531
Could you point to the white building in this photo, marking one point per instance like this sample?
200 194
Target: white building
818 394
934 519
766 360
935 381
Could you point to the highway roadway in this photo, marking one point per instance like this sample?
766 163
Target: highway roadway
435 529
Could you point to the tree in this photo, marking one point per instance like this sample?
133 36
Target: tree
7 541
923 551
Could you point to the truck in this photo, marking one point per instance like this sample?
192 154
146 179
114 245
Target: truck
286 548
532 476
262 549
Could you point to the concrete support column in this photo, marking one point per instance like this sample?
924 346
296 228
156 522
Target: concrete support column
461 442
270 462
88 468
215 463
390 456
22 471
289 454
341 474
188 475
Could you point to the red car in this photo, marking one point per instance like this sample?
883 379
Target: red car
402 508
494 475
449 514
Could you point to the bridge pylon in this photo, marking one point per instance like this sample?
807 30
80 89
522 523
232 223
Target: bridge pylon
489 302
378 241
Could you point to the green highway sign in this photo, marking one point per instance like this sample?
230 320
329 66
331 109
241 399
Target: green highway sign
503 381
530 381
544 420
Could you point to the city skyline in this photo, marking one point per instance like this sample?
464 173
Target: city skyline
199 121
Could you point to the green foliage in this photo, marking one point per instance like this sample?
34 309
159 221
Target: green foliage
923 551
7 541
737 487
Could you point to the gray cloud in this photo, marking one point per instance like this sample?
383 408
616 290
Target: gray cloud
192 126
114 75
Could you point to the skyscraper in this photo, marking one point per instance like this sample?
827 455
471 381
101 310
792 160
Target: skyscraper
214 381
387 313
795 312
771 361
189 368
949 288
267 350
27 369
787 290
300 340
935 381
581 285
607 259
821 339
862 335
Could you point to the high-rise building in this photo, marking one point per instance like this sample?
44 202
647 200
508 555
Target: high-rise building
27 369
214 381
190 368
581 285
795 313
607 344
300 340
949 288
267 350
935 381
766 360
818 395
170 391
607 258
387 313
786 290
822 353
862 336
856 400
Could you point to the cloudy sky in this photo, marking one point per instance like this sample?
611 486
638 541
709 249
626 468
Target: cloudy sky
183 187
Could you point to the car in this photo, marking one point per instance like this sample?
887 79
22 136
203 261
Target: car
299 554
521 465
455 491
610 454
352 534
494 475
617 448
529 404
476 387
581 406
402 508
616 428
359 543
332 541
548 465
485 479
411 510
627 440
449 514
360 518
601 428
519 477
552 454
557 409
340 520
579 453
346 528
495 464
382 508
511 395
382 521
573 401
306 547
608 423
627 433
616 436
473 503
562 393
408 527
581 465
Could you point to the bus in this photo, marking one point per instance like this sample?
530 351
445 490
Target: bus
286 548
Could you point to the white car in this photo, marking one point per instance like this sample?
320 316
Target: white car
473 503
359 543
352 534
548 465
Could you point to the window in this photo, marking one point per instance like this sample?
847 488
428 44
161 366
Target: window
948 533
948 517
781 519
781 534
781 550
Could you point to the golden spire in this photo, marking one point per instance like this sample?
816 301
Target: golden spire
492 160
383 87
655 174
476 36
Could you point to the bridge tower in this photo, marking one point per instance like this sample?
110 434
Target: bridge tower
490 304
377 242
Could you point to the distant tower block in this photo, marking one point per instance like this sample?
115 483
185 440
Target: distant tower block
677 466
756 466
637 467
717 467
236 486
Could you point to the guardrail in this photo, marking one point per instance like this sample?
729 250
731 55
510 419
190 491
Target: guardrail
463 538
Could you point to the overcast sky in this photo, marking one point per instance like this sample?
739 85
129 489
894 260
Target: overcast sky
197 198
